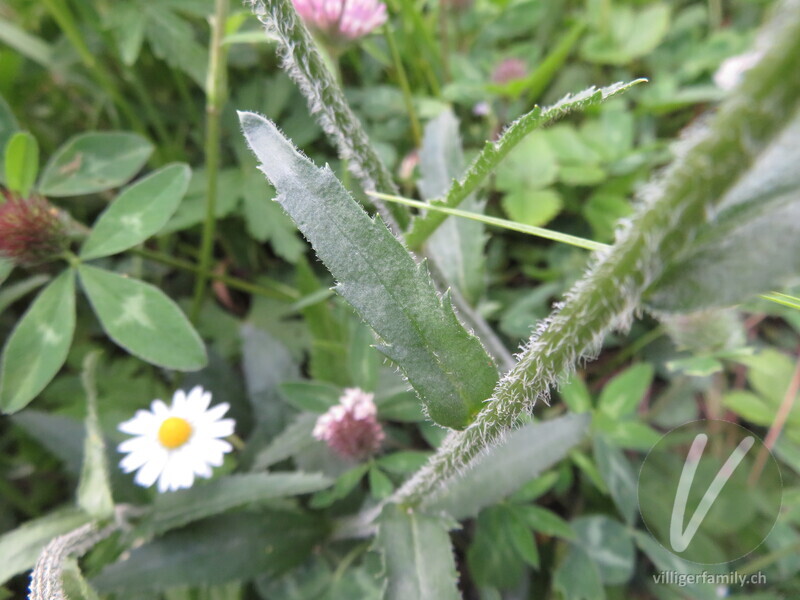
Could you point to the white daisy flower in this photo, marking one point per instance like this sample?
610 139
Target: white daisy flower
173 444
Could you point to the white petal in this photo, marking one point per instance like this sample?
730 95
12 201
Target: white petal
201 468
217 429
216 413
142 422
133 461
199 400
148 474
159 409
138 444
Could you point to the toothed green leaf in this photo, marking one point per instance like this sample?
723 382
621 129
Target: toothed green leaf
494 152
448 367
418 555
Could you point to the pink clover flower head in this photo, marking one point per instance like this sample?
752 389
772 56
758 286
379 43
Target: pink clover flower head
31 230
341 21
510 69
351 428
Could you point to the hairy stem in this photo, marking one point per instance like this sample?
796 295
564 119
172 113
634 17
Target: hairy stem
304 64
663 227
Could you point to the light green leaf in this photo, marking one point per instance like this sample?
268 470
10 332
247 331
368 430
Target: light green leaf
345 483
75 585
295 438
575 394
546 522
750 245
8 125
21 547
626 432
501 546
457 247
632 34
577 577
418 555
21 163
38 346
754 408
6 266
530 166
532 207
172 39
619 476
363 360
225 493
143 320
486 162
17 290
609 545
93 162
380 486
139 212
621 396
522 455
94 487
311 396
447 366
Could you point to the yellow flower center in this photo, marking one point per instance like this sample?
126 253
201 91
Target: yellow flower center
174 432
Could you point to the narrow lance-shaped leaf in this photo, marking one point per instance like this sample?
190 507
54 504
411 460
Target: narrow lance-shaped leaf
143 320
751 242
661 230
217 496
523 455
139 212
304 63
94 487
456 248
448 367
418 555
20 547
38 346
22 163
493 153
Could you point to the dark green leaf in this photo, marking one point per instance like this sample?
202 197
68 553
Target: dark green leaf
94 487
523 454
418 555
546 522
209 499
230 548
446 365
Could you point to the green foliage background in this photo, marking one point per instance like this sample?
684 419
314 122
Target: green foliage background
128 114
